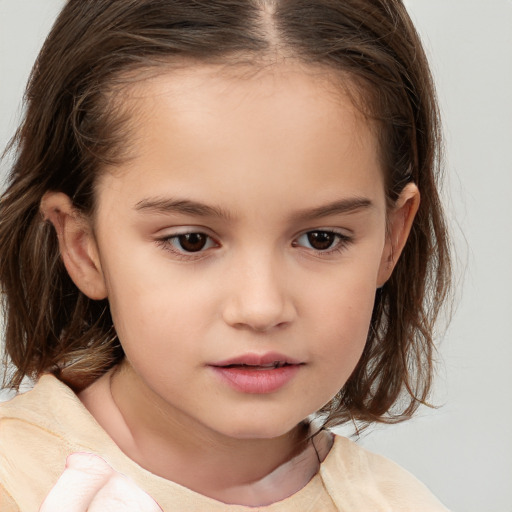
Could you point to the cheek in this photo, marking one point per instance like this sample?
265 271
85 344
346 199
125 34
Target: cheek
160 309
146 286
343 302
341 318
153 314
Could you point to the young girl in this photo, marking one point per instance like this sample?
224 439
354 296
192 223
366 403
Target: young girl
222 219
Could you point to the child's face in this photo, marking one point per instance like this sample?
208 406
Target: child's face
277 181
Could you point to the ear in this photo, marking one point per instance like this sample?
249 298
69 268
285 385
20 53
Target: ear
399 222
77 244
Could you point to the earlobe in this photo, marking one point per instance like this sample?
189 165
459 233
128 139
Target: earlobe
399 224
77 244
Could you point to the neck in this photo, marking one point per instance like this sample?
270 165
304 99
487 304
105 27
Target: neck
251 472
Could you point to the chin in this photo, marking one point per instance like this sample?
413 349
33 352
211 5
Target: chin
259 428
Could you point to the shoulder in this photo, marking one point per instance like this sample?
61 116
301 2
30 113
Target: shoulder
40 408
364 481
48 387
35 439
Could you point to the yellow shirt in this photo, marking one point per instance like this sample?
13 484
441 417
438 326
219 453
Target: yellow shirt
40 428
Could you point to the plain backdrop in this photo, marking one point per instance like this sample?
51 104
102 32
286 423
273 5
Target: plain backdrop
463 449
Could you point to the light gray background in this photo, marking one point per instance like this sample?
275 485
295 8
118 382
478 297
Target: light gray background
463 450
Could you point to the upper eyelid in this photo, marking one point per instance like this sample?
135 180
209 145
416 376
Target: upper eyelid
340 234
343 232
170 232
185 230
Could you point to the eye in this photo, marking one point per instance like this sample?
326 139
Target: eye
189 242
322 240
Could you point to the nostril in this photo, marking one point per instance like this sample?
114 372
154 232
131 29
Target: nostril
259 302
257 323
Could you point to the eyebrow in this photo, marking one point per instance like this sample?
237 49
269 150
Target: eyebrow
343 206
194 208
184 206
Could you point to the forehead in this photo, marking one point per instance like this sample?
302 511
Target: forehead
206 93
248 128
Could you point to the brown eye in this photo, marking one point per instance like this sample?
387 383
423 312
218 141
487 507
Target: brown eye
192 242
321 240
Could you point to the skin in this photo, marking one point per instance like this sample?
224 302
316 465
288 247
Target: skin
270 154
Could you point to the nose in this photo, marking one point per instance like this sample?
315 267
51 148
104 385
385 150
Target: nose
259 298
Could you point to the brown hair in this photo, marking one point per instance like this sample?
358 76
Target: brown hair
70 131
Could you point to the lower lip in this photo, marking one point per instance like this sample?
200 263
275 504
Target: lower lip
257 381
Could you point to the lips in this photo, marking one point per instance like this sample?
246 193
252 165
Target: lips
257 373
269 359
270 366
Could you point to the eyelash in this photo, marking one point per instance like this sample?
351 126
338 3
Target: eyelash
343 241
167 244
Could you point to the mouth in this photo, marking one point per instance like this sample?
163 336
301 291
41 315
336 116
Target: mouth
257 374
268 361
269 366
